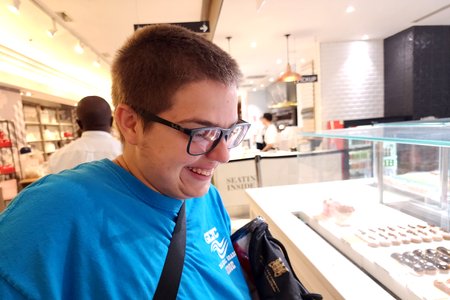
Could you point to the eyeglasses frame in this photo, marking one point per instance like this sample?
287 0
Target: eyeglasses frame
224 132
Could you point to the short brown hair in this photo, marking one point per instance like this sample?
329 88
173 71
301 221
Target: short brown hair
157 60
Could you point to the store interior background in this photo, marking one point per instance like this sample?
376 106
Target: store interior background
383 61
366 60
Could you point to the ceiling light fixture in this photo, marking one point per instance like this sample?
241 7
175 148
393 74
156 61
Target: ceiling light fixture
289 75
52 31
96 63
229 45
79 48
349 9
60 21
15 6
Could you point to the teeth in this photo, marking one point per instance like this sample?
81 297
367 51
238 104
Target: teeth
201 171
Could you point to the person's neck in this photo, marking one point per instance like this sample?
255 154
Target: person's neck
98 129
120 161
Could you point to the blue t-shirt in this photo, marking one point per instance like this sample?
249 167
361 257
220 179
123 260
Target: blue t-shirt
97 232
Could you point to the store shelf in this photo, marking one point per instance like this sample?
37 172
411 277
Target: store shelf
9 162
49 124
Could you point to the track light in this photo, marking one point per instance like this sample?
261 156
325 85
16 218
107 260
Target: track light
289 75
96 63
52 31
14 6
229 44
79 48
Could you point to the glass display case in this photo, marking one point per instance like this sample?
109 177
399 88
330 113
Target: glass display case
392 224
410 165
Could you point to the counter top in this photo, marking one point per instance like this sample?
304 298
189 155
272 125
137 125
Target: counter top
318 264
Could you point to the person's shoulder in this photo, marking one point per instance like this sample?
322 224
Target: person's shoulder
61 152
67 186
85 173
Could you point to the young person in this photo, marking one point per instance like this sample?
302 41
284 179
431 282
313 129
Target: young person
94 117
102 229
270 135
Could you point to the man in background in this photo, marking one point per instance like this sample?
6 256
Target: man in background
95 119
270 133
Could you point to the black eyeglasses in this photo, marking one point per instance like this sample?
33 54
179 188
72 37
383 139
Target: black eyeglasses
205 139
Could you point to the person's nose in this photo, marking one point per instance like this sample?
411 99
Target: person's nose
220 153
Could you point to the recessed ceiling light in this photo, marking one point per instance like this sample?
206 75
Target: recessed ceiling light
271 79
279 61
349 9
253 44
365 37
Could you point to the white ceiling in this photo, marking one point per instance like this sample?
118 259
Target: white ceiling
103 25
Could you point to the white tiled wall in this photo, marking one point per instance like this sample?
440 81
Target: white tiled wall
352 81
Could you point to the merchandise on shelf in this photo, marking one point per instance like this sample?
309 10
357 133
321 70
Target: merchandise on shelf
48 127
9 164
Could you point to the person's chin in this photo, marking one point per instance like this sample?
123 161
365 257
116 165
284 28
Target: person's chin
199 191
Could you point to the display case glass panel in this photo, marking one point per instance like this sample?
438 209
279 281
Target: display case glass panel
392 222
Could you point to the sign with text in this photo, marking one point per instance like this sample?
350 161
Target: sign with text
308 79
198 27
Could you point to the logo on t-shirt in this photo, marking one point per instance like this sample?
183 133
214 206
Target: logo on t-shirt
220 247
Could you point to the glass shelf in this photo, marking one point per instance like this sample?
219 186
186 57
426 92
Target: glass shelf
428 133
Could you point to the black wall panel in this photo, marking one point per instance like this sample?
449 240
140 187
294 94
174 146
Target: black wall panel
417 72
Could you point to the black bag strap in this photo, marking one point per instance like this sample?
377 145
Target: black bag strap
169 281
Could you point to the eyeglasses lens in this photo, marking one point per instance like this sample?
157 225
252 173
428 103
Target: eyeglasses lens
236 136
203 140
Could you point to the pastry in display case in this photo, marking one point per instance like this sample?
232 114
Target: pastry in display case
393 225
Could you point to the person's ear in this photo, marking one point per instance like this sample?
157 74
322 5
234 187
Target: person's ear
128 123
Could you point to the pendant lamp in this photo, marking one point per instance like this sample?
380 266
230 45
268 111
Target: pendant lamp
289 75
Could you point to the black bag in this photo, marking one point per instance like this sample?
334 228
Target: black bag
266 265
